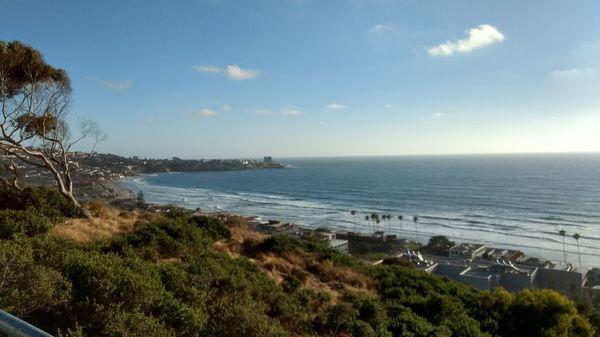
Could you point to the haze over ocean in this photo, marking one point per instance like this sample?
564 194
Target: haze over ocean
512 201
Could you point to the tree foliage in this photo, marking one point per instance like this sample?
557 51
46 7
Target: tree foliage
34 100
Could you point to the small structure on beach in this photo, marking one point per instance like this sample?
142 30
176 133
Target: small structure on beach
334 242
467 251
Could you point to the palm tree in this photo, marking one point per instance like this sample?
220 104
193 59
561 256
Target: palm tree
576 236
415 219
388 217
400 218
374 218
353 212
563 233
368 218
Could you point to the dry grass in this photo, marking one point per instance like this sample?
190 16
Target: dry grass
320 275
313 273
105 223
241 231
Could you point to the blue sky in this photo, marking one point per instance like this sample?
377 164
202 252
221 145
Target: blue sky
225 78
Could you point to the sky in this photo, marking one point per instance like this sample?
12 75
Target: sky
287 78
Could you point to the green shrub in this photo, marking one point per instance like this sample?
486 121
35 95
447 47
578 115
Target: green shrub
167 279
28 222
44 200
213 227
164 238
276 244
25 286
126 323
290 283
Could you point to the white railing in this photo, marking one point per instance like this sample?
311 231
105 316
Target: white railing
11 326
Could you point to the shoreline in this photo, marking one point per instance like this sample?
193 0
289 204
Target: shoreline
406 232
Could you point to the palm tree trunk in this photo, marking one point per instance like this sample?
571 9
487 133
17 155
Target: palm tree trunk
564 250
578 254
417 230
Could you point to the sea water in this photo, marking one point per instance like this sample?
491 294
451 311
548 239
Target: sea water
509 201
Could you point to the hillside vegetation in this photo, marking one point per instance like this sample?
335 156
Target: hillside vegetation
185 275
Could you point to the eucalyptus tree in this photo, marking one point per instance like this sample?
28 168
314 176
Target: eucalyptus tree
34 100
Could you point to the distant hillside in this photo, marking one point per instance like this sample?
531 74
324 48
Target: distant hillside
89 167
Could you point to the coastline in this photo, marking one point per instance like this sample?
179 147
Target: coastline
340 225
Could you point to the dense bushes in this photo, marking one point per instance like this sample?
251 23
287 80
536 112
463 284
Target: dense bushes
167 279
411 296
28 222
44 200
280 244
211 226
27 288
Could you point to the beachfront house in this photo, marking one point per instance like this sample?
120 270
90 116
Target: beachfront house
335 243
467 251
485 275
561 278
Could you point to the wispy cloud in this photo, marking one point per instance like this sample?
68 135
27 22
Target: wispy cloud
233 71
381 28
388 106
287 111
479 37
208 69
574 73
226 108
336 106
205 113
290 111
117 85
437 115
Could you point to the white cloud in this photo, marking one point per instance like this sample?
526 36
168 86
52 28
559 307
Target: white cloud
111 85
336 106
236 73
322 123
479 37
438 115
232 71
208 69
290 112
205 113
381 28
388 106
574 73
226 108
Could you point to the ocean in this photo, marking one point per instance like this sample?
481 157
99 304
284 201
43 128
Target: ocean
507 201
